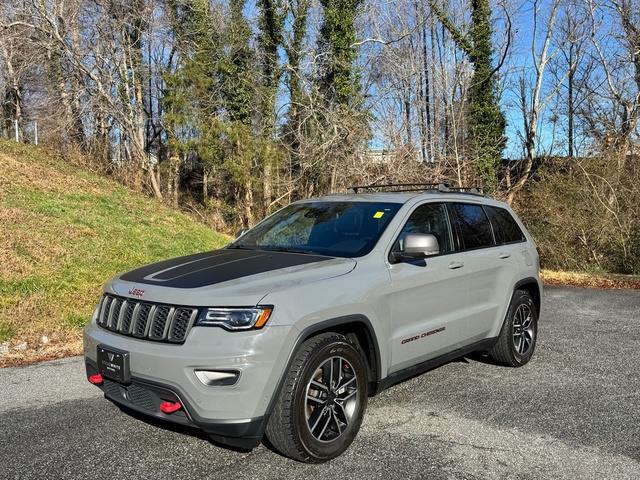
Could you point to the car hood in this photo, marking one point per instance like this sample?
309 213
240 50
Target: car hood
226 277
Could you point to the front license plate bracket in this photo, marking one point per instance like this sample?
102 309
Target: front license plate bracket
113 364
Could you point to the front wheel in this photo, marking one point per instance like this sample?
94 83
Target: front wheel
519 333
320 407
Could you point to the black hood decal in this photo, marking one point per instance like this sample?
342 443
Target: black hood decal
218 266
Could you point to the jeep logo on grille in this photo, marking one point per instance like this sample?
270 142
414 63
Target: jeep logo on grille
136 292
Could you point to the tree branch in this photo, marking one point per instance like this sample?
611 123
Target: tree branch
460 38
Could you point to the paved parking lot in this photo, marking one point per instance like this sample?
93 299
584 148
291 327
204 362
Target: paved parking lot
573 412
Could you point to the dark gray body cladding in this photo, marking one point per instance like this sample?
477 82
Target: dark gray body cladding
208 268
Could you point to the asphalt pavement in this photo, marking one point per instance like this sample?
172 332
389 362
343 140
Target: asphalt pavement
573 412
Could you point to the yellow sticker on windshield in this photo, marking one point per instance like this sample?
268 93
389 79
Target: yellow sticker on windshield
378 215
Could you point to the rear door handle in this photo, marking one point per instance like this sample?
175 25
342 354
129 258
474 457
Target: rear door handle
454 265
504 255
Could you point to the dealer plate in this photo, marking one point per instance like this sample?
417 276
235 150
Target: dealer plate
114 364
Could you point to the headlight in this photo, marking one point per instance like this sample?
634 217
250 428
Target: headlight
234 318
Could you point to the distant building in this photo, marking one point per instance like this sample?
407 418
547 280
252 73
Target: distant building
388 155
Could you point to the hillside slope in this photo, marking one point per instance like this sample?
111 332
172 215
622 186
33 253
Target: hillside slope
63 232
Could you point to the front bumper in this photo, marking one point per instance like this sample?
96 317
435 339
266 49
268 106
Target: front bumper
234 415
144 397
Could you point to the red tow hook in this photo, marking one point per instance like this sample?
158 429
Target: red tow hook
170 407
96 379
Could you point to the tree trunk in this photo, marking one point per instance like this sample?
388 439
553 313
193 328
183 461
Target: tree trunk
266 187
407 116
434 134
248 204
205 185
173 179
570 107
427 93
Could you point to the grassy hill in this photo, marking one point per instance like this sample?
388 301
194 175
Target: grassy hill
63 232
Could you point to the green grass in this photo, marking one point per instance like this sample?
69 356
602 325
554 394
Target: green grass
5 333
64 231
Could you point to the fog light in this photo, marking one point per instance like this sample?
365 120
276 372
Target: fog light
217 378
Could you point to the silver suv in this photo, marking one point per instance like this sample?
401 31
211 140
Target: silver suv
289 329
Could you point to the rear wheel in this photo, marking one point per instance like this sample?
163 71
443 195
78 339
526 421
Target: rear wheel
320 408
517 340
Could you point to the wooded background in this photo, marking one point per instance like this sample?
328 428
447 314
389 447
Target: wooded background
230 108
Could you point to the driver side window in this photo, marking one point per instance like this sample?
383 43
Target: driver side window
428 218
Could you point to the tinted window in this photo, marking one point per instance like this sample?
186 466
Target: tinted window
341 229
429 218
472 225
505 227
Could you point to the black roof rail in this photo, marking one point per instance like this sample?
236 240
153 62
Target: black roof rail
416 187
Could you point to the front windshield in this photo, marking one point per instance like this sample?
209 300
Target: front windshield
338 229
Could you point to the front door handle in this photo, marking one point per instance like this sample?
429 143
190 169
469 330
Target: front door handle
454 265
504 255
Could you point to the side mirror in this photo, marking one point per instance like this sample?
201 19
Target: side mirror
241 232
420 245
416 246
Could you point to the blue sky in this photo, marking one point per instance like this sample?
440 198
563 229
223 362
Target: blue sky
519 61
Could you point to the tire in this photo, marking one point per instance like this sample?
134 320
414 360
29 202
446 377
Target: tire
317 430
517 340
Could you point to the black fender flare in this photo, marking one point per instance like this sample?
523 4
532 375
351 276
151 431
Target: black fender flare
537 297
327 326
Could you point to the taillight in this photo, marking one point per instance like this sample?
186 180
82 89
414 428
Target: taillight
96 379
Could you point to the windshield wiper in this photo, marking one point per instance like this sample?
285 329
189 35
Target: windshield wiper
241 247
290 250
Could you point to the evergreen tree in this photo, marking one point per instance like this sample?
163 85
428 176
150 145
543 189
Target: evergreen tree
293 48
212 102
487 122
271 25
339 81
192 101
237 67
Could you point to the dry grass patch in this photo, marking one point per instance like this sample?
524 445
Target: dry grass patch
32 349
590 280
65 231
24 165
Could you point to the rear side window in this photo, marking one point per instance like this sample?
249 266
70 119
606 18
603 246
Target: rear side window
505 227
472 225
428 218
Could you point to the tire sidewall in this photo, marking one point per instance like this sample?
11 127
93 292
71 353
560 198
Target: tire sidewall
522 298
319 451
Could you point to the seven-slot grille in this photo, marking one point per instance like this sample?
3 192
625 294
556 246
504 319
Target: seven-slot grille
154 321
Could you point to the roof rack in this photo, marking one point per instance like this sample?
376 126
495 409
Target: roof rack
416 187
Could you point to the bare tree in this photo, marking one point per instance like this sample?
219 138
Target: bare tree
533 100
14 72
618 51
573 69
111 70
